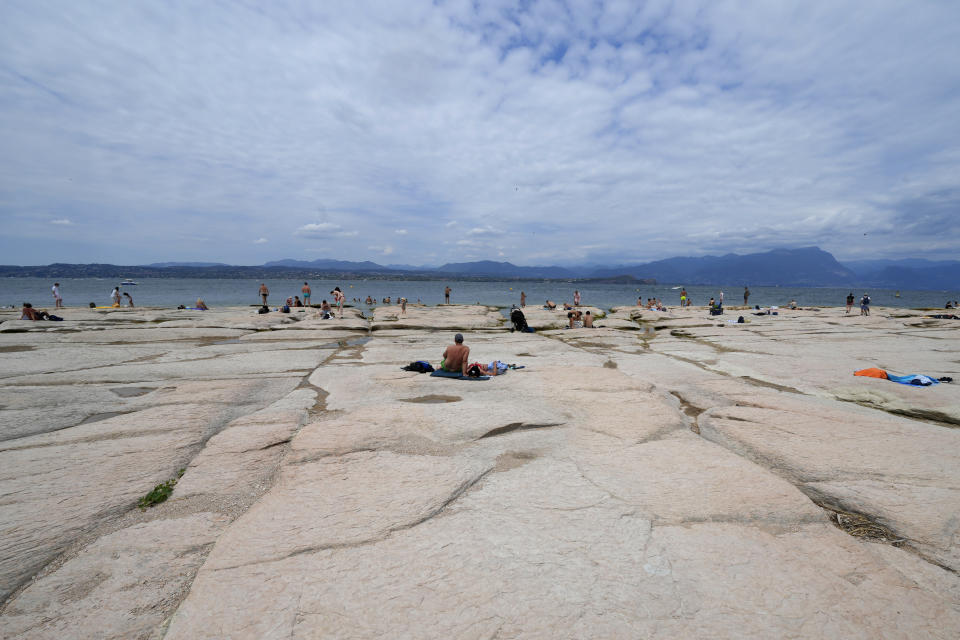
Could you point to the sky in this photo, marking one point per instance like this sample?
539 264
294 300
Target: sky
541 132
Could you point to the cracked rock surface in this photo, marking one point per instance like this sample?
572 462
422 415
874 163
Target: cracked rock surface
665 475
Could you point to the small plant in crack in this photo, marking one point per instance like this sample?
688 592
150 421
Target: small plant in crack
160 493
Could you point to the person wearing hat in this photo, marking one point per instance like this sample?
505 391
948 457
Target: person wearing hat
455 357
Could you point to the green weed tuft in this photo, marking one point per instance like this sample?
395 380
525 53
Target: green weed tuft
160 493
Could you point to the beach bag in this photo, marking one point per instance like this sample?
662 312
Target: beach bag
519 321
420 366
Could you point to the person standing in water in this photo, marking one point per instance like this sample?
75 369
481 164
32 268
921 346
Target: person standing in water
683 297
55 289
523 299
115 296
264 292
446 295
746 296
576 298
305 290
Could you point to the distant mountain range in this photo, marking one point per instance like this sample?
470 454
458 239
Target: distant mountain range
803 267
807 267
187 264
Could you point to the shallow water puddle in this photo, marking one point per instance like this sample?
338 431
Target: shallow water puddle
354 342
132 392
97 417
15 348
432 399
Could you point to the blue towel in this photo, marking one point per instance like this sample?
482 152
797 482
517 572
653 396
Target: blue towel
913 379
455 375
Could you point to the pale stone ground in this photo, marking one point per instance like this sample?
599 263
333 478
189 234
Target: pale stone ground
664 475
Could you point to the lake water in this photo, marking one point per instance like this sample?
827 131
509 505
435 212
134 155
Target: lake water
169 292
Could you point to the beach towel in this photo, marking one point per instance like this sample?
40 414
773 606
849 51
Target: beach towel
455 375
872 372
912 379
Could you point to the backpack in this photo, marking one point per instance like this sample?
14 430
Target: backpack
420 366
519 321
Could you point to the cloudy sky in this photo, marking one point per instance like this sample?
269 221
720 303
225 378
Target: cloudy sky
539 132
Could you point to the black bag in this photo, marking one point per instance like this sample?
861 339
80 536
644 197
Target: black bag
519 321
420 366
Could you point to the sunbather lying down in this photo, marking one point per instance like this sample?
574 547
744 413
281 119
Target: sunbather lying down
492 369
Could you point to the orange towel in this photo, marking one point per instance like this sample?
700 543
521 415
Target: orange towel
872 372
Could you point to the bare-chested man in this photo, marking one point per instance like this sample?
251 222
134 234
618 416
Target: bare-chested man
264 292
446 295
338 299
455 356
305 290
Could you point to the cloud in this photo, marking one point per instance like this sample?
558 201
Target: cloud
538 129
324 230
63 221
400 232
485 231
260 241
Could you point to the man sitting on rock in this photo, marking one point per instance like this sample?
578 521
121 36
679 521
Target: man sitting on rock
29 313
455 356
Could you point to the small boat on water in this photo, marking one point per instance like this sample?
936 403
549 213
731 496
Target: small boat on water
127 283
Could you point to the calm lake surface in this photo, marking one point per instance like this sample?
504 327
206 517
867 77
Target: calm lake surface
164 292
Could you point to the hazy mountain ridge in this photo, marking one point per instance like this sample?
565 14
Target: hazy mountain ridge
806 267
